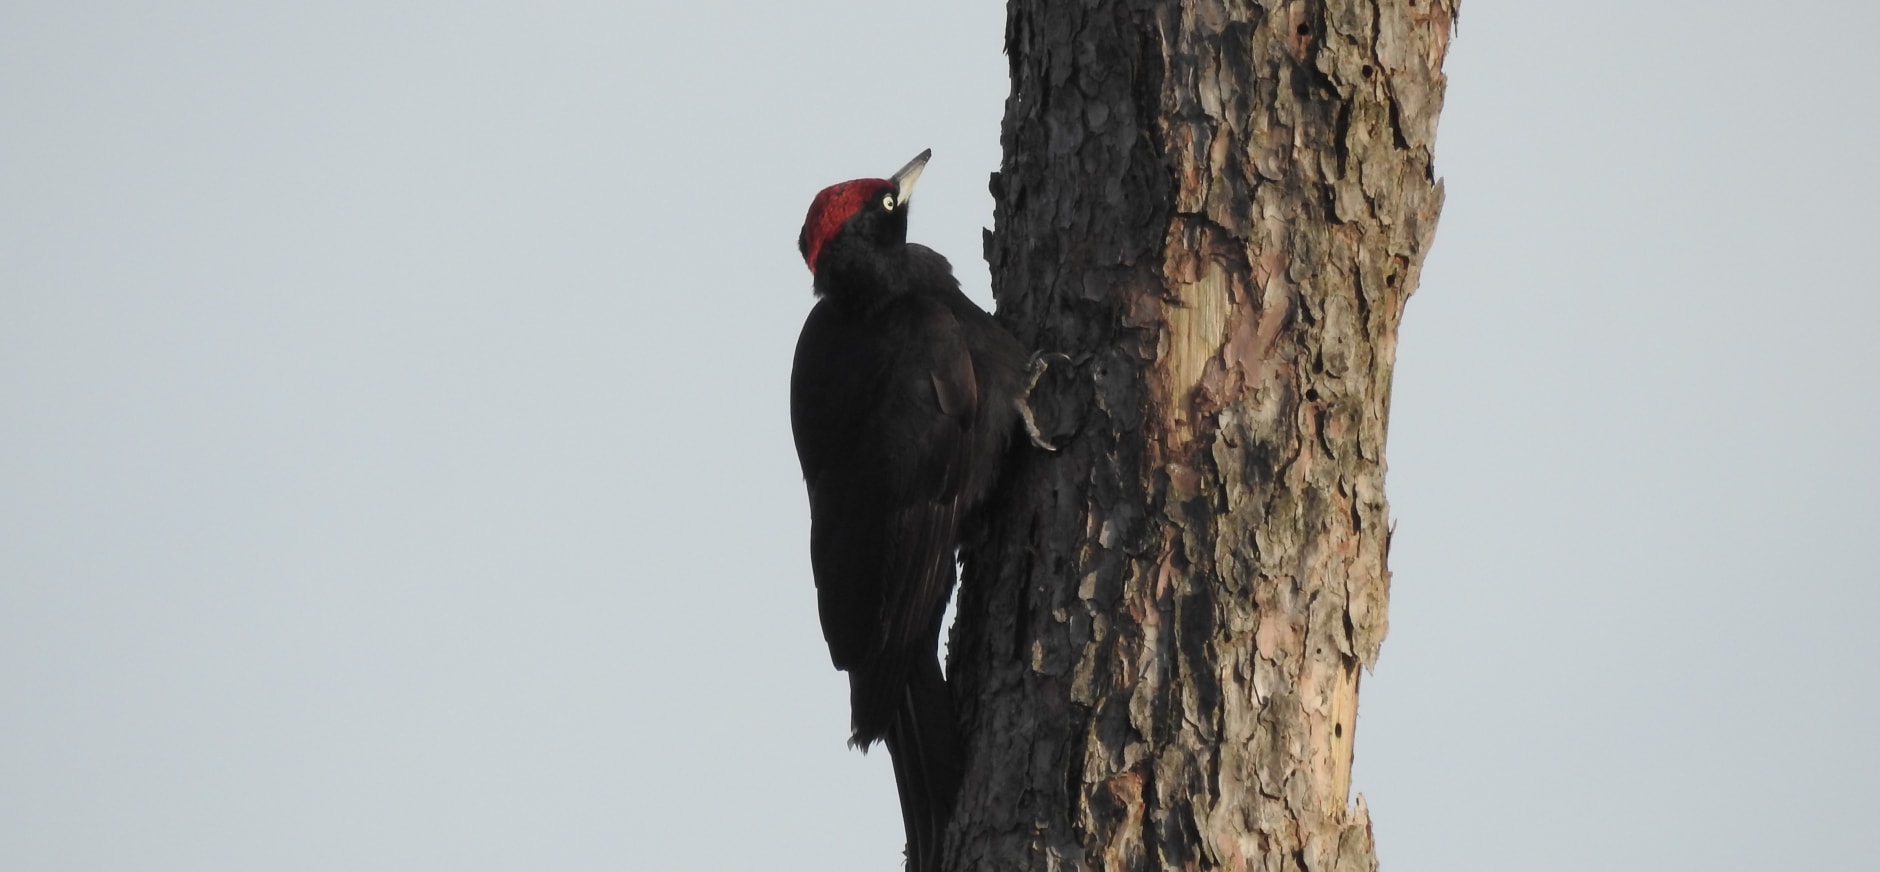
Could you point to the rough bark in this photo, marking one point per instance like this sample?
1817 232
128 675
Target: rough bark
1218 210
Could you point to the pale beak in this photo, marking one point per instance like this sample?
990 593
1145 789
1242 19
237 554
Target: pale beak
905 177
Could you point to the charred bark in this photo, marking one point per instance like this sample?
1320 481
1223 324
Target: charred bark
1218 210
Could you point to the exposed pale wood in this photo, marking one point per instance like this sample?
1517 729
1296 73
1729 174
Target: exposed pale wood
1218 210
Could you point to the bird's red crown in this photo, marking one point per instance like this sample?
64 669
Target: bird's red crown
832 207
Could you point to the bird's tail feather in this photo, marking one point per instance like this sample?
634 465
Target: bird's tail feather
924 743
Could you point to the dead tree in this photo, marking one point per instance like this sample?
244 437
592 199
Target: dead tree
1217 210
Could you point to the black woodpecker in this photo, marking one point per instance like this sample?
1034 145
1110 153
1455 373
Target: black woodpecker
905 398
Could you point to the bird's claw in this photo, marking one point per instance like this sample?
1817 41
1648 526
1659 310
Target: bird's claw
1040 361
1031 427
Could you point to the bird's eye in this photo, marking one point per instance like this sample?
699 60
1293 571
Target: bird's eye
887 202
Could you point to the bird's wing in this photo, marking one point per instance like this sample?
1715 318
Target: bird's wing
883 413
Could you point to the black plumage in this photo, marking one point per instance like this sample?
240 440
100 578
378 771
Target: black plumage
905 398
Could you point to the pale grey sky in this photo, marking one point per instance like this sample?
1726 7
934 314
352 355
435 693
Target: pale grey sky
395 473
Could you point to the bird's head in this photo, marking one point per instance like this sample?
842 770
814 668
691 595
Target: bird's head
854 223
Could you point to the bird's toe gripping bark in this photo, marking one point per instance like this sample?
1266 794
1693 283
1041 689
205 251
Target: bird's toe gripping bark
1040 361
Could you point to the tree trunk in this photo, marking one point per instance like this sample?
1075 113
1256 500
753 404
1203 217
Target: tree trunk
1217 210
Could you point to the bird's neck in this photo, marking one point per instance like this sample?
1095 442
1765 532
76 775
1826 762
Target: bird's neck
864 280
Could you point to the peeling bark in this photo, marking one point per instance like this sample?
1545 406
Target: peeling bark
1218 210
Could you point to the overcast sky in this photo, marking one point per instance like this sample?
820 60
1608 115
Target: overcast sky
395 470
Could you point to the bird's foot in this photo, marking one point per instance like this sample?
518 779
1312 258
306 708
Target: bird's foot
1040 361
